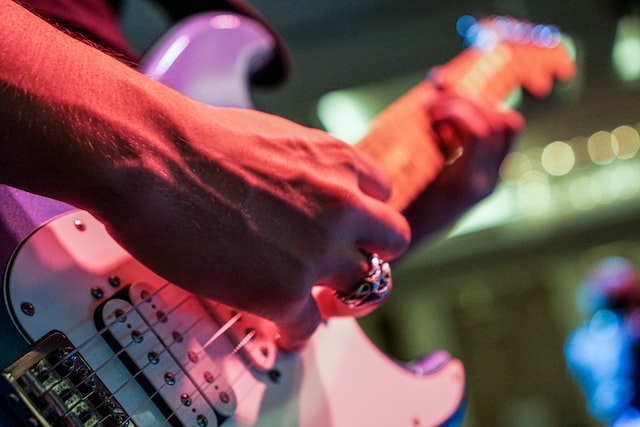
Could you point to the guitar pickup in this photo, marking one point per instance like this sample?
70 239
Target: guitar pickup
162 336
52 385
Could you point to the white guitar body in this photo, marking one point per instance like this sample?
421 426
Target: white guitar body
146 353
70 271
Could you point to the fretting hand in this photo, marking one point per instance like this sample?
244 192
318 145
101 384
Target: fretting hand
475 134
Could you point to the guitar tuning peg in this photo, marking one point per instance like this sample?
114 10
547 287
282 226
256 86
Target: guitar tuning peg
546 36
487 32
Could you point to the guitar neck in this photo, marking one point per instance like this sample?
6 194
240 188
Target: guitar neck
402 139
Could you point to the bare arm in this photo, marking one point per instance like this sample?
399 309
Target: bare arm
240 206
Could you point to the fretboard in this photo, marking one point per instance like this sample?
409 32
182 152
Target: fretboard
402 139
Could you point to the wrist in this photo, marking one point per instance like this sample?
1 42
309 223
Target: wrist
76 122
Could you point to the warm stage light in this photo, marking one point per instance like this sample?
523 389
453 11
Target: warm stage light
558 158
601 148
625 54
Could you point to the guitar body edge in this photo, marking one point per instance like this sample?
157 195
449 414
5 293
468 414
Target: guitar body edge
339 379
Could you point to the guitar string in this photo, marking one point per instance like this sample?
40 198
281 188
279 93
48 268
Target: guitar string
143 367
166 348
236 318
145 401
141 371
96 371
135 307
203 386
222 330
199 387
123 349
76 351
99 334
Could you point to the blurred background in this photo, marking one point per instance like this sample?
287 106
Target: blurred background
499 290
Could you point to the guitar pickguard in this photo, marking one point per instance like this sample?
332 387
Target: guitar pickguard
164 353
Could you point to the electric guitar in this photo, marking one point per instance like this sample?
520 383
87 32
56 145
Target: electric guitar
109 343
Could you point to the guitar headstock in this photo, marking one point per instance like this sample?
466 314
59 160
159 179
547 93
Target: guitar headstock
504 53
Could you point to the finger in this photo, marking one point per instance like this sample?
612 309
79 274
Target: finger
471 120
295 331
383 230
505 124
474 112
514 124
514 120
373 180
371 291
449 140
345 271
459 123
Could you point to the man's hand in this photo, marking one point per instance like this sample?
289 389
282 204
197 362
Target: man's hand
243 207
252 210
475 135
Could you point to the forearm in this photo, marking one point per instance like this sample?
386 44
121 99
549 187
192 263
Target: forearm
70 113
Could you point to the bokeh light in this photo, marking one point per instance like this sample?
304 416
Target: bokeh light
558 158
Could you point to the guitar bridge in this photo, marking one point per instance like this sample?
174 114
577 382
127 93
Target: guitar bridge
52 385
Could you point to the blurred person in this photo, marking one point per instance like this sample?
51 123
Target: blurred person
602 354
